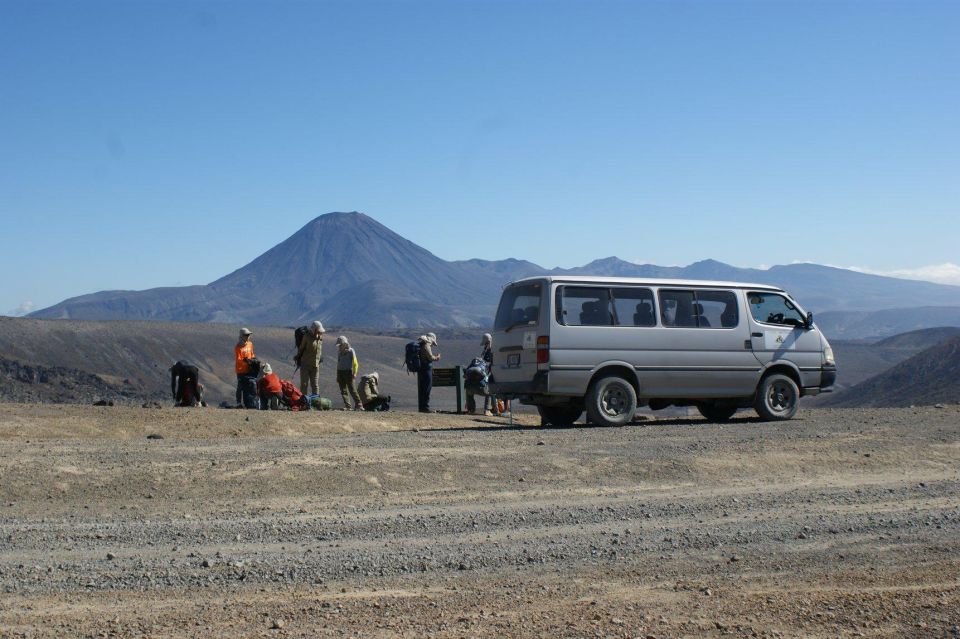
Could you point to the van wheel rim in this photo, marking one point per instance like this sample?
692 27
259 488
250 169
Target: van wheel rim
780 397
614 401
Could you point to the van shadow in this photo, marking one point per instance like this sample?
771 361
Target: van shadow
487 425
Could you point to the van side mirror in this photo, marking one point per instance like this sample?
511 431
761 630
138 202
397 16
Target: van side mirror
808 322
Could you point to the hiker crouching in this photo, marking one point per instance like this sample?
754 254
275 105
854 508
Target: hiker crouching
185 385
269 389
347 367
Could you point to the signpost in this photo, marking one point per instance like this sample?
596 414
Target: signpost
451 377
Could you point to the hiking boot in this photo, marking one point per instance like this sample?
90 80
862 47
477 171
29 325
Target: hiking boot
360 408
487 413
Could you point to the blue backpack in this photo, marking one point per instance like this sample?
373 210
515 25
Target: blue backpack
411 359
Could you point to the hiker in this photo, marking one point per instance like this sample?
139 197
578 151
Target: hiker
370 396
309 356
246 397
477 377
425 372
268 388
185 384
347 367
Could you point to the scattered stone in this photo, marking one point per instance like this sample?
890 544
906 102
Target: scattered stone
277 624
104 402
111 556
153 404
541 443
154 436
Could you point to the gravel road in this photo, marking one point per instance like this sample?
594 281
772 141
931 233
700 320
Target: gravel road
837 523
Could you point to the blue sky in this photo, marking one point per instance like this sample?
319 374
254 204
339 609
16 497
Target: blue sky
163 143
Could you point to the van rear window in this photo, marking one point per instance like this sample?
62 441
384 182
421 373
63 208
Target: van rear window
519 306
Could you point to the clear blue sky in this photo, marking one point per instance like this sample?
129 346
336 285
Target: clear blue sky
162 143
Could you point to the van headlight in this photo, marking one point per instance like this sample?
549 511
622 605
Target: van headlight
828 356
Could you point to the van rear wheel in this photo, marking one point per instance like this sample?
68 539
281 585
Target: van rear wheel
611 401
777 398
559 415
716 412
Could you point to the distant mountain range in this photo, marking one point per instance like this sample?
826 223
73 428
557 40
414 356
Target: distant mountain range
348 269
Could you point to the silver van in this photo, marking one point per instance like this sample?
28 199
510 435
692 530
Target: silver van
610 345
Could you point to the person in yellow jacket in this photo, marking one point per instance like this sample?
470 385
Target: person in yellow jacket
347 367
241 353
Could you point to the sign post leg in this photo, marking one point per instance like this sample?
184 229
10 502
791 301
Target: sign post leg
460 391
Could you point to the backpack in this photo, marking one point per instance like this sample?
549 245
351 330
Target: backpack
476 372
292 396
253 366
411 358
298 338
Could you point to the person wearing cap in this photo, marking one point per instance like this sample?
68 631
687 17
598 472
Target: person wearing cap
241 353
474 384
425 374
268 388
309 356
347 367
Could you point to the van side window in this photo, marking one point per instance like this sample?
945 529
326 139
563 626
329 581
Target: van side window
584 306
698 309
772 308
718 309
634 307
676 308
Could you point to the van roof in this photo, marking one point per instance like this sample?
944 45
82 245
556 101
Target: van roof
652 281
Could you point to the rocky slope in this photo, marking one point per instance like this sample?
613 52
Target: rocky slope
930 377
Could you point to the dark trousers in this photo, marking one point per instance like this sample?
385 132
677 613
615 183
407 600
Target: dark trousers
424 386
247 391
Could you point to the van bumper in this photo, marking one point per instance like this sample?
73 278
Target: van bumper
828 376
520 390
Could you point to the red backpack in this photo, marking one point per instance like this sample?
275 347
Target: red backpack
292 396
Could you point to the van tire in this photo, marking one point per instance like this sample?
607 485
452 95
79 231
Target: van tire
611 401
560 416
778 398
716 412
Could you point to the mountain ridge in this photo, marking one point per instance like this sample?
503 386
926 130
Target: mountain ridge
348 268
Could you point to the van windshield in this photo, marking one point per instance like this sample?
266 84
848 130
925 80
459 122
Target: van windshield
519 306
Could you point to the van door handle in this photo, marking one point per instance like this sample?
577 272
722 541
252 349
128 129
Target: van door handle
756 334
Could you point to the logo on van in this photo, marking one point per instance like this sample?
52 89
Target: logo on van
780 339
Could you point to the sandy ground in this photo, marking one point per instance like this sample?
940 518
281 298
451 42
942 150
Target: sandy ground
838 523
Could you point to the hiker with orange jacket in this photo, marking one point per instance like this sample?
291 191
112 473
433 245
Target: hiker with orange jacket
269 389
246 397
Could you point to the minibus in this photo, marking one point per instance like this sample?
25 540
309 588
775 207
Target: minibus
610 345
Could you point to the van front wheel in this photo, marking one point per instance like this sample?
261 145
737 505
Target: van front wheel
611 401
777 398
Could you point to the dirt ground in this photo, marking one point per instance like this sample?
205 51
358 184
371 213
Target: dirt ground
235 523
